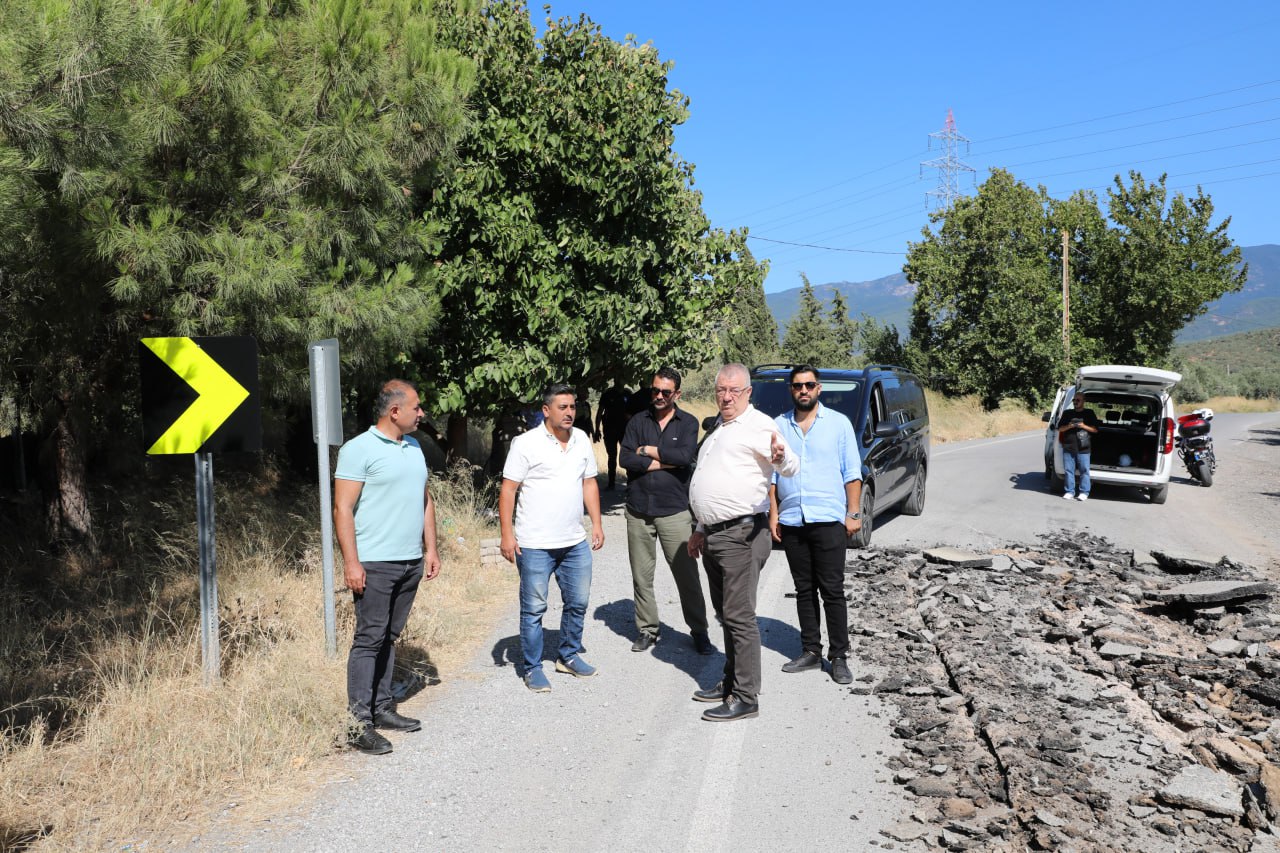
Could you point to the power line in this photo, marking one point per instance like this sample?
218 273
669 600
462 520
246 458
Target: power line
1151 141
1150 159
1132 127
1130 112
825 248
827 187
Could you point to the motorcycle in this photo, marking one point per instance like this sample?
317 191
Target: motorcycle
1195 446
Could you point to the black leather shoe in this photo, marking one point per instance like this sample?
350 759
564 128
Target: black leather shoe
840 673
644 642
731 709
711 694
806 661
702 643
370 742
392 720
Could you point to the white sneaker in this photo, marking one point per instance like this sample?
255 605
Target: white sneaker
1083 497
1068 497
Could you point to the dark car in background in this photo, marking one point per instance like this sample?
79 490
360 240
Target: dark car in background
890 417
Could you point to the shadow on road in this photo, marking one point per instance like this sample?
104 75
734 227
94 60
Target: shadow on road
1264 436
1031 481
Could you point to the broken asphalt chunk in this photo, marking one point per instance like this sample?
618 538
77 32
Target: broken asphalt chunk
1211 592
957 557
1198 787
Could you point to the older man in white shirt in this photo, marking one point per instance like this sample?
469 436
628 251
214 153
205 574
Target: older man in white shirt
729 496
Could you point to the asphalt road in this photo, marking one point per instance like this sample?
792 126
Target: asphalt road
623 762
990 492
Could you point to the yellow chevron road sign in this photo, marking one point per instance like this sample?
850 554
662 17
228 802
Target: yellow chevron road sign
200 394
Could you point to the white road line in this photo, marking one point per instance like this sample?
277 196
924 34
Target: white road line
983 444
714 804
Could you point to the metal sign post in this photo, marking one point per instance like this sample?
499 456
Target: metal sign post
326 420
225 414
210 650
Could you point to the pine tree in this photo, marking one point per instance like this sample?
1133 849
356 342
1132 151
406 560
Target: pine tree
227 167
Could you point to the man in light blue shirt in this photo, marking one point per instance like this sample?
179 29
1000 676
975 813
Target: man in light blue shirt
813 514
386 525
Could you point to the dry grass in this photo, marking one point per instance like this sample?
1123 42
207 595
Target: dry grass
143 746
1233 404
962 418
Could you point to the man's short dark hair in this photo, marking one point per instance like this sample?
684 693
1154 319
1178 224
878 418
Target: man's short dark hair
393 392
668 373
557 390
804 368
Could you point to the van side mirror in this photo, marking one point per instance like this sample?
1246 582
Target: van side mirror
886 429
1045 417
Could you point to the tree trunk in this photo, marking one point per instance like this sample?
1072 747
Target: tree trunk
456 434
64 480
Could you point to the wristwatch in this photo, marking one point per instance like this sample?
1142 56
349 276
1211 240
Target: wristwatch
856 516
640 452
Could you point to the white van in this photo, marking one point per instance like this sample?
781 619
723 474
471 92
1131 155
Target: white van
1134 443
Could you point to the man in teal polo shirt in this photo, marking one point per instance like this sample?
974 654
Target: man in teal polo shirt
386 525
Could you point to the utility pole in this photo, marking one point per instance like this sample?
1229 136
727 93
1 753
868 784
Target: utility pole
949 165
1066 298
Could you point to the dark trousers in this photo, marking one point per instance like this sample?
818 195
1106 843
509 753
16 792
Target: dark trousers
611 441
815 553
733 559
381 613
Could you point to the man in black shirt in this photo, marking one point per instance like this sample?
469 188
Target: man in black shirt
1075 427
658 449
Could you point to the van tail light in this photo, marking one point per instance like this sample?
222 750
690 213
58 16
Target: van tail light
1167 446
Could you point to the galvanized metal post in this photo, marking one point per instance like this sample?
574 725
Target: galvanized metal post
326 418
210 651
321 391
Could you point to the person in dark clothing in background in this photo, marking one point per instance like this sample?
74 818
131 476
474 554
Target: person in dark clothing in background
611 423
657 452
1075 428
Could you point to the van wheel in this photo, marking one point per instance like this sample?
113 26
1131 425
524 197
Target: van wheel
914 504
866 506
1160 495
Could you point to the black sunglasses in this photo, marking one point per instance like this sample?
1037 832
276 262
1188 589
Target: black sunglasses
666 392
803 386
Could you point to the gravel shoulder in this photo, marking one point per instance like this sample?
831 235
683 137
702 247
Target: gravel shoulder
1055 698
620 761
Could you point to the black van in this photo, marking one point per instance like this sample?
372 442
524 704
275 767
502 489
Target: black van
887 407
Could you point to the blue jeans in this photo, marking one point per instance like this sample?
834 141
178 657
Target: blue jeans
1070 461
572 568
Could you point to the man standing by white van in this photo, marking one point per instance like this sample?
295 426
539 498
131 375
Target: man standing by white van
1075 428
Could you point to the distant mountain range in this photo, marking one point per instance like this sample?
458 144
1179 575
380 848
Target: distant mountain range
888 300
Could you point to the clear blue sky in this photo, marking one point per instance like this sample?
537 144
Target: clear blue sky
809 122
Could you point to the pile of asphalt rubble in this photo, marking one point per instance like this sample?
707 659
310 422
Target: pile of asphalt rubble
1073 697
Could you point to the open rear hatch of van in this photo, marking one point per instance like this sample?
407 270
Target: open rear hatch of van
1130 402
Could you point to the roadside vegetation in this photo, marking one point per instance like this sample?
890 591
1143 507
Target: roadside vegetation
446 203
107 732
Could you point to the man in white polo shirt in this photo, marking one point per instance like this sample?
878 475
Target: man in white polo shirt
550 474
386 525
729 496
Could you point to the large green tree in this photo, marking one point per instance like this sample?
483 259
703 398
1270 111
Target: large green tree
983 319
209 167
1158 266
988 309
576 248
